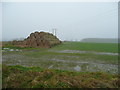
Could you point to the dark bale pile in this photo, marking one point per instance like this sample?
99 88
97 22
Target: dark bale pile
38 39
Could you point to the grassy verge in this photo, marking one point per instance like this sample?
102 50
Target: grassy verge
35 77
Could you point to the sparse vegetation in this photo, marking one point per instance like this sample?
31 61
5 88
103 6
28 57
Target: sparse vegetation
35 77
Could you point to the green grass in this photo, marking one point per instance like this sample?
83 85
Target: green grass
41 56
36 77
40 76
99 47
9 45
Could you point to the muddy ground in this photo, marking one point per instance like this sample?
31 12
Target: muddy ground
71 60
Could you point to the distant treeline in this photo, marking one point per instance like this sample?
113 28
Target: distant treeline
100 40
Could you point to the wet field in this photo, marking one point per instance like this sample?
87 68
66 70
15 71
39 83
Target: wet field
67 59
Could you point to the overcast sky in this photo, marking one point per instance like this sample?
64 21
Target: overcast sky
73 21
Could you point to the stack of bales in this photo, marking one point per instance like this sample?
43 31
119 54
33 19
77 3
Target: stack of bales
38 39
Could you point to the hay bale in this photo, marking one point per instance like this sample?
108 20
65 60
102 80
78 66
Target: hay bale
38 39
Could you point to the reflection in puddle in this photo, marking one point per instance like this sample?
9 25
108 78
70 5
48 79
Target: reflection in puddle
90 66
9 49
77 68
50 66
54 63
93 52
96 67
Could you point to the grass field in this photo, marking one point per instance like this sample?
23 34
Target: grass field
69 57
35 77
99 47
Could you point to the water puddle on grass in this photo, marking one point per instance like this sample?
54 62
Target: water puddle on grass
93 52
62 64
77 68
51 66
88 66
9 49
